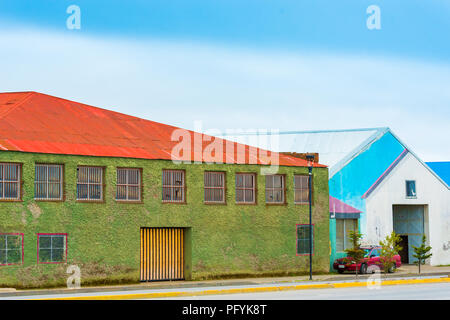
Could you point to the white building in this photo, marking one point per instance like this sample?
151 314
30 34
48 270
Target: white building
373 171
428 210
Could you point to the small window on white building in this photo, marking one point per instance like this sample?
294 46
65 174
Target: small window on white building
411 189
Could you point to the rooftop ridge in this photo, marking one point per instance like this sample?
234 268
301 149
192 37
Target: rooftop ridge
17 104
309 131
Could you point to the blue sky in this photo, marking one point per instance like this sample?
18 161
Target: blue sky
414 28
288 65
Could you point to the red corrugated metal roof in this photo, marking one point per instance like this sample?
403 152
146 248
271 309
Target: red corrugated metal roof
36 122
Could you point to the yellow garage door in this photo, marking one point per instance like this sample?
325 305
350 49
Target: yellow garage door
162 256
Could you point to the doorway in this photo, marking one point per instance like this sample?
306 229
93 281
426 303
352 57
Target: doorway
404 252
409 223
162 254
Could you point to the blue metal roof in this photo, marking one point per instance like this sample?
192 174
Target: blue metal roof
336 147
442 169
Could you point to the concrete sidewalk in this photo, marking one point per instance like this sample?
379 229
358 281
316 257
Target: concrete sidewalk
239 289
406 271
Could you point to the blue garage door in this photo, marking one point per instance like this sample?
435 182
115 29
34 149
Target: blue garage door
409 221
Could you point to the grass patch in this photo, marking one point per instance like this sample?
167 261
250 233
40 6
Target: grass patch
55 276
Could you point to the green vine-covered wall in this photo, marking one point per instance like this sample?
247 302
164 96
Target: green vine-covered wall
226 240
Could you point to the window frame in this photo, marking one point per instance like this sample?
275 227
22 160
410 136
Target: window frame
223 188
62 183
297 189
345 232
283 176
102 185
254 189
19 183
406 189
22 247
140 185
66 235
296 239
378 252
183 187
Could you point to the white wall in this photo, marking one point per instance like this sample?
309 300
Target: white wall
430 192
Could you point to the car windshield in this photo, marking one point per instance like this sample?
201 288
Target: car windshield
366 252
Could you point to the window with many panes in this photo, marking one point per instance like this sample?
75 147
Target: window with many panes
52 248
303 238
90 183
245 188
275 188
11 248
10 181
301 189
214 187
173 186
128 184
343 227
48 182
411 189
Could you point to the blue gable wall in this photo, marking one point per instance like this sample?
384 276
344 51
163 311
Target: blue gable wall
353 180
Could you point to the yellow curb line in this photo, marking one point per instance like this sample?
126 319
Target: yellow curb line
249 290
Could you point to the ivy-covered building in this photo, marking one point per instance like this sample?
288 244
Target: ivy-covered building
85 186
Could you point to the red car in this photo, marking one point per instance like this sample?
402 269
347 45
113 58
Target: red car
371 259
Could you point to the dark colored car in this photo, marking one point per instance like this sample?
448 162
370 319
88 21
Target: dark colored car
371 259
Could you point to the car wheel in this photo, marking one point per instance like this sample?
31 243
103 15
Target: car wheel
363 269
392 268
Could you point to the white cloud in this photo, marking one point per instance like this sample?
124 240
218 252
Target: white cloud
229 87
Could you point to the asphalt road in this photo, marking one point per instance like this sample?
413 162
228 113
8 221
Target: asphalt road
435 291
